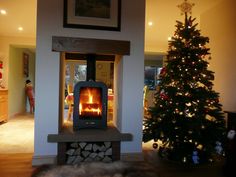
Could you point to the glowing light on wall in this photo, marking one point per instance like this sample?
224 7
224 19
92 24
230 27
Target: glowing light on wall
3 12
150 23
20 28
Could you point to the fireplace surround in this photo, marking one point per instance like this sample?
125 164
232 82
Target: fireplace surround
91 49
85 131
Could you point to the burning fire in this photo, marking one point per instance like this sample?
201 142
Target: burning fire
90 102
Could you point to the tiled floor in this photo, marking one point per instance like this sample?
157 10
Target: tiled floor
17 135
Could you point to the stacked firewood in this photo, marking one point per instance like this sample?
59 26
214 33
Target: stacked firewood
78 152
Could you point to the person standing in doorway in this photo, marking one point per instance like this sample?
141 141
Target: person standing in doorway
29 90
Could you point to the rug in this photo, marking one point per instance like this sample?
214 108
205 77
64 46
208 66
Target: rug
97 169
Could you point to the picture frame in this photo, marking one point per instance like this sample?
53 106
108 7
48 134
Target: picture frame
26 65
92 14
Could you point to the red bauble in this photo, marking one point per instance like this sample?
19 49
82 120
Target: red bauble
1 65
164 96
163 71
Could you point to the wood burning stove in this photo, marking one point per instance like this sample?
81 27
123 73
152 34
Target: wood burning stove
90 100
90 105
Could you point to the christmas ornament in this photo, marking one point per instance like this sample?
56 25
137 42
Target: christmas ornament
186 7
174 121
163 96
155 145
163 71
184 160
231 134
195 157
218 148
199 147
210 160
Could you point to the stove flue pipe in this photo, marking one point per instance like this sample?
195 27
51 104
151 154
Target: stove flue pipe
91 67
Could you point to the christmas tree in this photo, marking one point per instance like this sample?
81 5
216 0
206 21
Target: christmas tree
186 122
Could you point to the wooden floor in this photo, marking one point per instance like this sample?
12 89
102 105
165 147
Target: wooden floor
16 165
19 165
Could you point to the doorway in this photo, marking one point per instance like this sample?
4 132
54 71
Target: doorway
17 134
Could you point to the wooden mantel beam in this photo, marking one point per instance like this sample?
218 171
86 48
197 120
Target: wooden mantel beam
88 45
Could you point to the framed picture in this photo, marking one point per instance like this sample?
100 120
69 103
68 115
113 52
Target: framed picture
26 64
92 14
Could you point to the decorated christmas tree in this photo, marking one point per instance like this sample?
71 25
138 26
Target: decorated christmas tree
186 121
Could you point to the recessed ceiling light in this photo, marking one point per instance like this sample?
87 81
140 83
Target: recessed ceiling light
20 28
3 12
150 23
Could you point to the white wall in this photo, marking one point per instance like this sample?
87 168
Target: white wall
219 25
49 23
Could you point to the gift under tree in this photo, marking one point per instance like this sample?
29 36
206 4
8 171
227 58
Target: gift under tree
186 122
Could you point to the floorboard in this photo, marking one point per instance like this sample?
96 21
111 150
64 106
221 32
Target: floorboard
16 165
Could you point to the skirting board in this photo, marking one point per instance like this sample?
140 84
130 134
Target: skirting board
52 159
42 160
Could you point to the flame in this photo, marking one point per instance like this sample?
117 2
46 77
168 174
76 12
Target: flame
97 111
90 104
80 109
90 97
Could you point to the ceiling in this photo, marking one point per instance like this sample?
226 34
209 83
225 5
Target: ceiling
163 14
19 13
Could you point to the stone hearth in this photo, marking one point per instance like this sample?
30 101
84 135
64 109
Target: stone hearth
89 136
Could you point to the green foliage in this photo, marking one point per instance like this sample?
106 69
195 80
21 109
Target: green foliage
187 115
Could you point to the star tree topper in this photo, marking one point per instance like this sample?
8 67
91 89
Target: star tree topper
186 7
